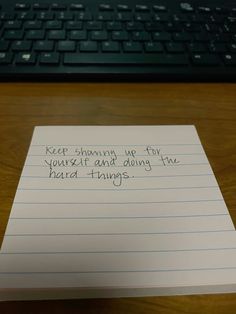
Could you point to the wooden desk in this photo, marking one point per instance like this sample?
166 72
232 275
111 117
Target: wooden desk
211 107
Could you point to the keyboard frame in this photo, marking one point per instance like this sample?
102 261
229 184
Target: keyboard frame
220 73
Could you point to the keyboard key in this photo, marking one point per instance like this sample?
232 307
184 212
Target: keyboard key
40 6
90 46
53 25
4 45
204 9
205 59
93 25
22 6
153 26
64 16
141 36
217 47
104 16
197 47
114 26
77 7
33 25
142 17
6 16
234 38
44 45
173 27
218 19
66 45
45 16
202 37
78 35
110 46
161 36
159 8
5 57
221 10
186 7
161 17
212 28
99 35
123 7
132 47
105 7
49 58
58 7
126 59
141 8
180 18
222 38
35 34
229 59
57 34
73 25
192 27
232 47
13 34
12 24
21 45
84 16
123 16
23 16
134 26
182 37
27 58
175 47
120 35
153 47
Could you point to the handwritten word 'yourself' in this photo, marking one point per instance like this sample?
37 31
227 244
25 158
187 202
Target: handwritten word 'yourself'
71 162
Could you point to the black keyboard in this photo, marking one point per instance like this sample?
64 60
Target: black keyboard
143 40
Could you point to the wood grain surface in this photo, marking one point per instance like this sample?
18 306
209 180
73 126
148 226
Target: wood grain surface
210 107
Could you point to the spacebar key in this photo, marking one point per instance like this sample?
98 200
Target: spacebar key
132 59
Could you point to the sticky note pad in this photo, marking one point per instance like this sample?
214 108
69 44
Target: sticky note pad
110 211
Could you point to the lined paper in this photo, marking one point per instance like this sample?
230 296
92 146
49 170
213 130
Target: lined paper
117 211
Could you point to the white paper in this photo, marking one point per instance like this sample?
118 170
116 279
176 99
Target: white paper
104 211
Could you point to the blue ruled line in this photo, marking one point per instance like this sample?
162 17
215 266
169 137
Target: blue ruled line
118 189
117 234
119 271
119 252
117 155
136 177
115 145
120 166
118 203
121 217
